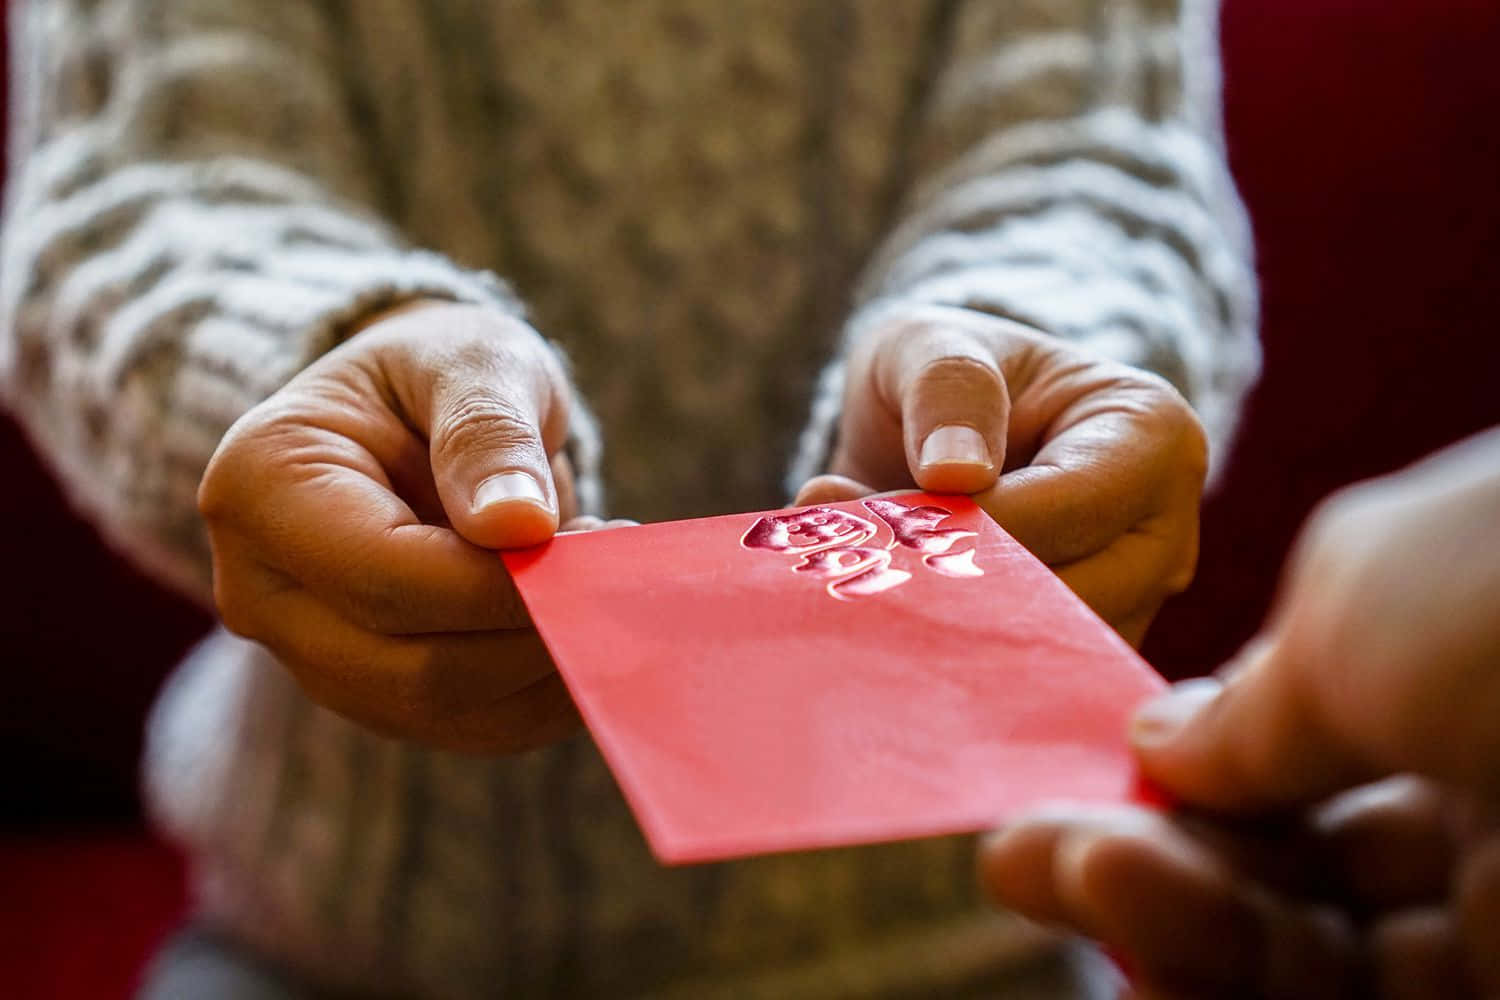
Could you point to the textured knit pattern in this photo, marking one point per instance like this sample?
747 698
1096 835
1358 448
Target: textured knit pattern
702 201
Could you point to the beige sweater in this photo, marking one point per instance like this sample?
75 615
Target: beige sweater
697 199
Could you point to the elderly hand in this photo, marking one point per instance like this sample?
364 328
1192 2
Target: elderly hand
353 516
1097 468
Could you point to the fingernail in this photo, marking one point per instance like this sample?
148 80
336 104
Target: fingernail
954 444
508 487
1159 720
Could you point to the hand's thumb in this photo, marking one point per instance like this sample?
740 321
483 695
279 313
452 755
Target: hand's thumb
1255 742
491 438
954 409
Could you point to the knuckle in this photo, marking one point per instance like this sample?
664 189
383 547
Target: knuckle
1191 437
1181 575
1172 571
1323 524
1334 525
488 352
1182 564
236 608
1182 560
1179 422
496 343
250 450
220 486
482 420
1176 435
213 503
960 373
507 329
1339 561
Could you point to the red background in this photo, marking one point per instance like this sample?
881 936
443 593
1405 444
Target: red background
1366 140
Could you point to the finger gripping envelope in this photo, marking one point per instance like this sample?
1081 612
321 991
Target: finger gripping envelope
848 673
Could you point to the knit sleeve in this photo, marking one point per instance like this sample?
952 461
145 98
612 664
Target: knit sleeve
189 222
1070 174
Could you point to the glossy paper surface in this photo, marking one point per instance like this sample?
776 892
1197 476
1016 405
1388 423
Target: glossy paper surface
844 674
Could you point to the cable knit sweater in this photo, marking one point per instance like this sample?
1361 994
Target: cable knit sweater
699 200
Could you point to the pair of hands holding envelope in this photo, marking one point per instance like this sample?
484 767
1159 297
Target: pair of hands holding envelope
353 513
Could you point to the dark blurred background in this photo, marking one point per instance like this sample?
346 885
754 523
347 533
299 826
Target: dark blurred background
1365 135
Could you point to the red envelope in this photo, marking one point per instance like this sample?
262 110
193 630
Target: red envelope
850 673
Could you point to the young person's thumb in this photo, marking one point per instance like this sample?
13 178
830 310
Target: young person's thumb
1255 742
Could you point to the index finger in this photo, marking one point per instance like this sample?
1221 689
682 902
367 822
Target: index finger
369 556
1111 463
1085 488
